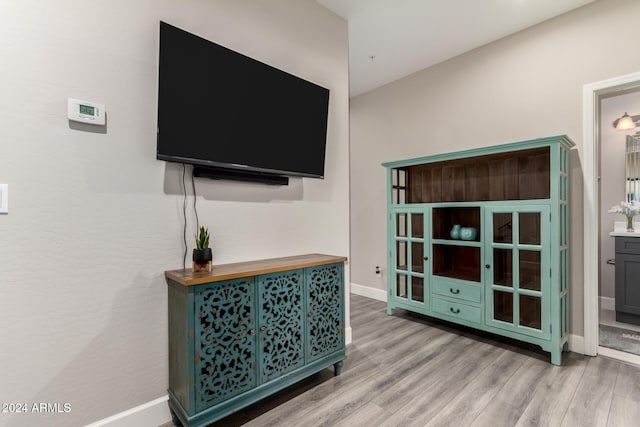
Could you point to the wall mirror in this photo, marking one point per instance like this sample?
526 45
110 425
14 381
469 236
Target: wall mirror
633 167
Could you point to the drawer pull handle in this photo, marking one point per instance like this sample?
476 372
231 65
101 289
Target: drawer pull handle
454 311
456 292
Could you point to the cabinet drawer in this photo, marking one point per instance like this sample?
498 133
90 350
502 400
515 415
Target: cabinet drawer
457 290
628 245
457 310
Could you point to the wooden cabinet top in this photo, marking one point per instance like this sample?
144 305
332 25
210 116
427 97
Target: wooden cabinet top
481 151
250 268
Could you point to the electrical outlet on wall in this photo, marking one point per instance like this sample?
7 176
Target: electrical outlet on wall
378 272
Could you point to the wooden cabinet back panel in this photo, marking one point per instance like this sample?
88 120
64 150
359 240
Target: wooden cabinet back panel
519 175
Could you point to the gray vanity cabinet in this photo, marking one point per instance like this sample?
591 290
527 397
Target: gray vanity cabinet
628 280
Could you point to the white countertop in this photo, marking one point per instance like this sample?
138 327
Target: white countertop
620 229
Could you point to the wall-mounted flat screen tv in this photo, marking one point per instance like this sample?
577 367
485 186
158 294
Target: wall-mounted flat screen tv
219 108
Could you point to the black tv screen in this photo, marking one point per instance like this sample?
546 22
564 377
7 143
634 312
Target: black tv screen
219 108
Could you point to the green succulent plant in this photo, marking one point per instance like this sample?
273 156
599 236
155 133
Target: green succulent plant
202 238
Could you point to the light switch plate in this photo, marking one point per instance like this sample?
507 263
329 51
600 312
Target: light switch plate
4 198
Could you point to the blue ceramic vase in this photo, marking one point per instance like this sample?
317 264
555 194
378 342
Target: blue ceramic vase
468 233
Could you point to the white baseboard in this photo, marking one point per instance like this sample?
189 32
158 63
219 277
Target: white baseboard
576 343
607 303
366 291
347 336
151 414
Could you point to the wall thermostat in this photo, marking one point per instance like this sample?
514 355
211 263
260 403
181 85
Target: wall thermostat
85 111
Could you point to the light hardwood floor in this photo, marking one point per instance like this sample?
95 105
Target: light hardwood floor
408 370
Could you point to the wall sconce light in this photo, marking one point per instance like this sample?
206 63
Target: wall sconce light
625 122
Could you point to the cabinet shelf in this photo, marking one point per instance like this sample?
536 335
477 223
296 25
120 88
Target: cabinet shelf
446 218
416 269
451 242
457 262
467 275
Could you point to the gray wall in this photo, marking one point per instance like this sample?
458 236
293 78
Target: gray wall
95 220
525 86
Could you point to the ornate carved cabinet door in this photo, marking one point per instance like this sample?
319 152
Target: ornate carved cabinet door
325 310
225 341
281 323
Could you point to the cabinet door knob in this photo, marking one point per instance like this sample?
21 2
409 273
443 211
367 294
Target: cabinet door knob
454 311
253 332
487 266
455 292
426 258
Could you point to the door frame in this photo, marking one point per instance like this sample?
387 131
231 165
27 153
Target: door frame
591 198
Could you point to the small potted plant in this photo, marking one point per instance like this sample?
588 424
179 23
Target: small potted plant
202 255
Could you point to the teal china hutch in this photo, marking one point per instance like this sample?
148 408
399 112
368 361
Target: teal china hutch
480 238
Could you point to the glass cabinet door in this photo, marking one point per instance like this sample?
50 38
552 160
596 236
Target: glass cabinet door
517 269
409 258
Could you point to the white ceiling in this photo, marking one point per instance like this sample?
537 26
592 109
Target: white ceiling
404 36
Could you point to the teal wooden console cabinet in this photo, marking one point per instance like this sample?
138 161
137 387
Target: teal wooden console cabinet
480 238
247 330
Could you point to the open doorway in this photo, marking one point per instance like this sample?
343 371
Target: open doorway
592 95
618 323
